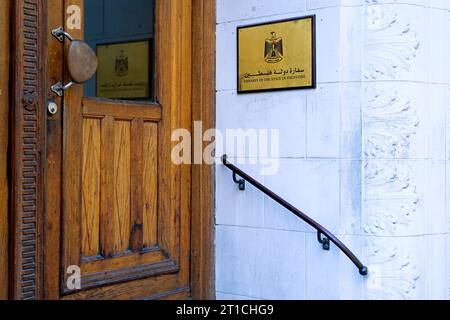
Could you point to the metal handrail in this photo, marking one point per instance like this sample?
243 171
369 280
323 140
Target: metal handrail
321 231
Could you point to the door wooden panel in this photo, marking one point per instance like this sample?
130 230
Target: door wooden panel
149 184
119 181
117 241
91 175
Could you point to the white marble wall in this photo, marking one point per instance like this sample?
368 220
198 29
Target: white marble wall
365 154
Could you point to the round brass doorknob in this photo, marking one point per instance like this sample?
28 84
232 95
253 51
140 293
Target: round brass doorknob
81 61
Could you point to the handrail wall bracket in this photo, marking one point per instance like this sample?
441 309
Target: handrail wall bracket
324 241
239 182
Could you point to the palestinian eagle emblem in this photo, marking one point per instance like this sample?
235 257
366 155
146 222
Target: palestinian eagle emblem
273 50
122 64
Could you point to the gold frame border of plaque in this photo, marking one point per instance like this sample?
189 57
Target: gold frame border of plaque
277 55
124 70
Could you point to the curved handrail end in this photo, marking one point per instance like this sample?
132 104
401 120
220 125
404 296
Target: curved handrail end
364 271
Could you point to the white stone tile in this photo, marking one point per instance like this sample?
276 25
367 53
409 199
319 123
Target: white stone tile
422 3
447 196
328 44
434 110
330 274
436 269
284 111
248 263
447 257
352 2
310 185
351 43
438 64
350 182
447 117
229 297
284 280
440 4
226 57
235 207
238 255
320 4
434 197
351 121
323 122
230 10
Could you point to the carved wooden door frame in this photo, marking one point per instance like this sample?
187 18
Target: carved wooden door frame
30 164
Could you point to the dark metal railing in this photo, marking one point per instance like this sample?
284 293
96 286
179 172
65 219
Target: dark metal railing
323 235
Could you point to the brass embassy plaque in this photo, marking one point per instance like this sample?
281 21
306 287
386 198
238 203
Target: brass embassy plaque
277 55
124 70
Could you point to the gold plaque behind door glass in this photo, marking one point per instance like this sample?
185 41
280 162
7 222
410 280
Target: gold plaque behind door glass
123 70
277 55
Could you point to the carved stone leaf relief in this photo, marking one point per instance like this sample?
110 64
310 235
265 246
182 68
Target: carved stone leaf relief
390 198
390 122
390 45
394 274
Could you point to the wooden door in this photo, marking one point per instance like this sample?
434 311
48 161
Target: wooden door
125 209
92 185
